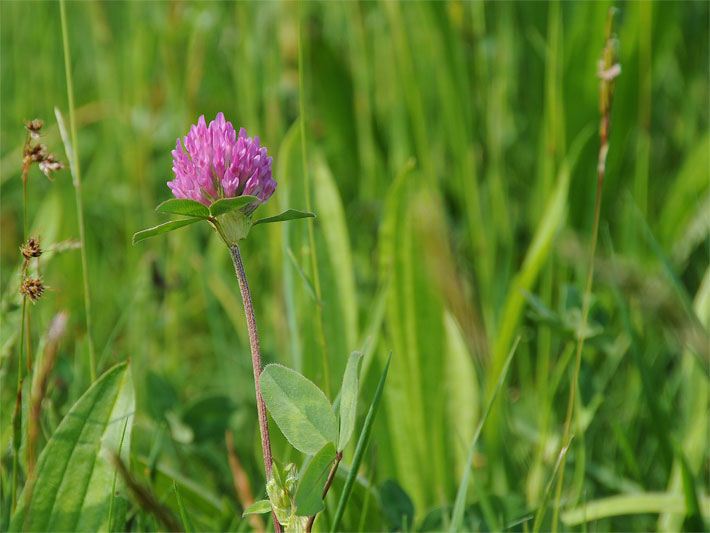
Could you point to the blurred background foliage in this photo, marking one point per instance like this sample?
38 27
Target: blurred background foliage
452 148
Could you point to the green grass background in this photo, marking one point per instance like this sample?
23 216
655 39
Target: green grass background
451 148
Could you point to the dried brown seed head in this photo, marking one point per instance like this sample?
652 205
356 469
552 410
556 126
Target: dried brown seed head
31 248
36 152
34 128
50 164
32 288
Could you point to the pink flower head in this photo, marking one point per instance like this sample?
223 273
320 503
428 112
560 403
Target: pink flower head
216 163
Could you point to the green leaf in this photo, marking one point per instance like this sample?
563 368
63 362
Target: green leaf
73 487
225 205
299 408
289 214
162 228
260 507
397 505
309 493
362 443
208 417
183 206
348 399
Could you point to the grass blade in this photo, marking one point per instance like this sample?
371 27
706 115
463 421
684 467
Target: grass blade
186 522
360 448
457 514
629 504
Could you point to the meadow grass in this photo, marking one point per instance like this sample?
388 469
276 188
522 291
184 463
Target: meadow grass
449 150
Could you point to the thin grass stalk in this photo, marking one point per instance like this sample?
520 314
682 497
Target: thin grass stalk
16 441
311 237
609 69
256 365
76 178
25 195
17 414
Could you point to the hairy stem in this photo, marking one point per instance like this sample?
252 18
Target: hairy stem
328 483
255 363
76 177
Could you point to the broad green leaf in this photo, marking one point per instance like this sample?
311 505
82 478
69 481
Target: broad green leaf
348 399
225 205
183 206
362 443
162 228
299 408
289 214
260 507
73 487
309 493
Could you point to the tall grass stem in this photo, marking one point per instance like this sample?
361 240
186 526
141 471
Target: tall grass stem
311 237
606 89
76 179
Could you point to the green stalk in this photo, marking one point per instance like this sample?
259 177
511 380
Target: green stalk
17 414
76 175
311 235
606 90
25 207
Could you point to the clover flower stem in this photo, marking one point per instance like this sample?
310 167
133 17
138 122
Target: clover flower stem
255 362
76 178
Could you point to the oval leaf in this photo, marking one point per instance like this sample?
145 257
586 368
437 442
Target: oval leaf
162 228
289 214
348 399
225 205
183 206
73 487
260 507
309 493
300 409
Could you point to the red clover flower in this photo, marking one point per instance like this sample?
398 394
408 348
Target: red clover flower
213 162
